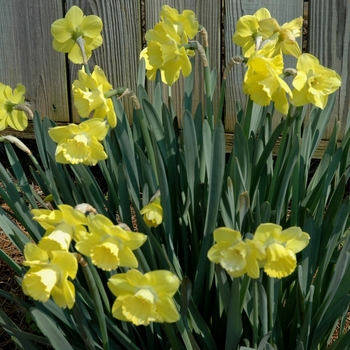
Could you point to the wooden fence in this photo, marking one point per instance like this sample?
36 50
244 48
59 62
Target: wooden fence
26 53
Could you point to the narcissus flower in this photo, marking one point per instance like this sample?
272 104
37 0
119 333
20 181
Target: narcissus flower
284 35
9 100
89 96
61 225
264 84
236 256
142 299
164 52
313 82
48 275
247 31
153 213
110 246
281 248
186 23
165 45
80 143
66 31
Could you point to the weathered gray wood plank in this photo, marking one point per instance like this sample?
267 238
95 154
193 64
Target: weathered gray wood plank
329 41
283 10
119 54
27 56
208 14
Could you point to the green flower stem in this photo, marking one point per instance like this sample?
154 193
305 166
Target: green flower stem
280 159
100 286
117 92
244 290
234 326
83 326
97 301
296 172
233 61
295 194
170 94
148 141
204 53
222 100
281 150
248 117
271 302
80 41
255 313
208 94
45 178
87 69
171 336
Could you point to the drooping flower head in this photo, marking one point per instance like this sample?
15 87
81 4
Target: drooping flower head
9 100
247 31
142 299
253 31
313 82
110 246
264 84
281 248
152 213
284 36
164 52
186 24
80 143
61 225
74 25
89 96
236 256
165 45
48 275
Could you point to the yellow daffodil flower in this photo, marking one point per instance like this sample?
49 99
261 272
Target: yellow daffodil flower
151 72
281 248
285 35
9 115
164 52
247 31
263 83
89 95
61 225
80 143
66 31
108 245
236 256
313 82
152 213
185 23
48 275
142 299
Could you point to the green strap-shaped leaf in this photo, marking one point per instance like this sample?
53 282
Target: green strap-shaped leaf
20 175
191 160
155 125
50 329
215 191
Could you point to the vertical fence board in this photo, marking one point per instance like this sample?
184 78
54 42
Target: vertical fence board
329 41
119 54
208 13
27 56
284 11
